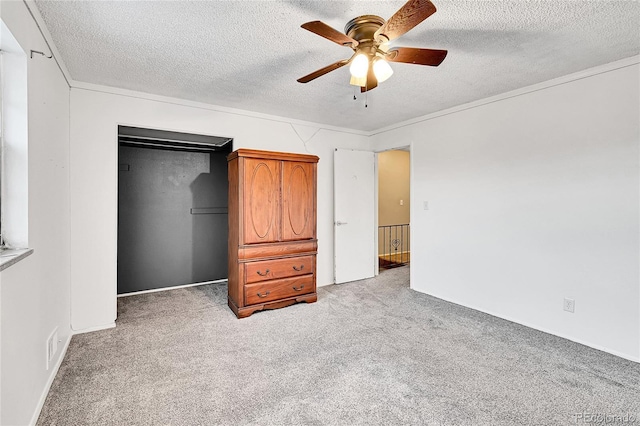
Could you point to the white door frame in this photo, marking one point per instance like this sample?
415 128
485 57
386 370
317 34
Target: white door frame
411 189
375 215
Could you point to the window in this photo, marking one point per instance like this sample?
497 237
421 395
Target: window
13 142
1 142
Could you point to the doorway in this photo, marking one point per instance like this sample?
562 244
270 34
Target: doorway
371 212
394 207
172 209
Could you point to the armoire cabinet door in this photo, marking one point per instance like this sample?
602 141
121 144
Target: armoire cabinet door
298 201
261 200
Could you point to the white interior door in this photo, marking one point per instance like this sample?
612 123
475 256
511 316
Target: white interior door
354 208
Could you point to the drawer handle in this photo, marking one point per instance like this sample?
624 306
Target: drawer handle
298 269
265 294
298 288
264 274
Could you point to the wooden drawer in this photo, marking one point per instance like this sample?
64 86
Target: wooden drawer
287 248
278 268
278 289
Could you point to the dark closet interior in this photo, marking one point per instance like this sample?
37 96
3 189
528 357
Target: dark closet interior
172 208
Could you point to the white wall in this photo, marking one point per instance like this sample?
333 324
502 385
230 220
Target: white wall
532 199
95 116
35 292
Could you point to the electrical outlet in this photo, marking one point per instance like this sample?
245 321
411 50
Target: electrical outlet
52 346
569 305
402 202
425 205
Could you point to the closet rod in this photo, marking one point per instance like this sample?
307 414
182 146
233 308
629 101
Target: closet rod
147 138
203 147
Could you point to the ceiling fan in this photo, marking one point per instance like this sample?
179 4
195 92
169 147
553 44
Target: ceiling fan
368 36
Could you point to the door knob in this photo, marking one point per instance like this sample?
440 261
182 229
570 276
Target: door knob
338 223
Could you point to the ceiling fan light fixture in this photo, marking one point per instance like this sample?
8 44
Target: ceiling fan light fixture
359 66
369 36
382 69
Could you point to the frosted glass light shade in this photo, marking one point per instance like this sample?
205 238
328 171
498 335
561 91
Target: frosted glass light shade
358 81
382 70
359 66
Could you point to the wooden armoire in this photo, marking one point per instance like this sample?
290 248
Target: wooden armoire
272 230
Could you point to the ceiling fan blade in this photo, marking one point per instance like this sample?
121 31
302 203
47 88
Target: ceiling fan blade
324 30
407 17
372 81
323 71
414 55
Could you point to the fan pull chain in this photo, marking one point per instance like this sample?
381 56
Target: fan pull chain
366 93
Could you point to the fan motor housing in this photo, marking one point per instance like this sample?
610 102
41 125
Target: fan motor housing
363 27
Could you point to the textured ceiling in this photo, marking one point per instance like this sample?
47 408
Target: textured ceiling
248 54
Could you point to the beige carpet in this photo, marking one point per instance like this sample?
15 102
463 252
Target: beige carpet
370 352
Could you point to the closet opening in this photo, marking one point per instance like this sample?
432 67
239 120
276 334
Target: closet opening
172 209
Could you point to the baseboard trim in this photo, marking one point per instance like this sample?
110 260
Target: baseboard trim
95 328
542 329
52 377
155 290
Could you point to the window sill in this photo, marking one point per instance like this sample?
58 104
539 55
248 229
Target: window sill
10 257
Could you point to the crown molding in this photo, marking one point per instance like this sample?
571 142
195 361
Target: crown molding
211 107
589 72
